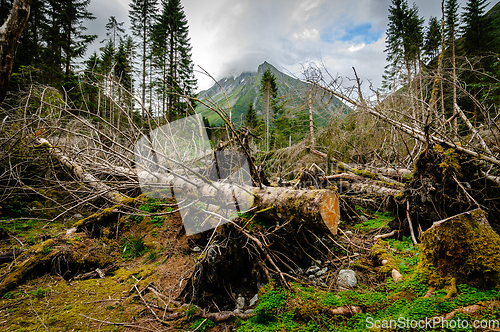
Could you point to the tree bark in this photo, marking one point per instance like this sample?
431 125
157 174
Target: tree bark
317 208
9 35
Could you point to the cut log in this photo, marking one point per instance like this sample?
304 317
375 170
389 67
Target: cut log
317 208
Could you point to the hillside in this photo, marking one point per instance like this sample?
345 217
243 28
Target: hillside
243 90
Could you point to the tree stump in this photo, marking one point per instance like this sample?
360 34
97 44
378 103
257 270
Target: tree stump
464 248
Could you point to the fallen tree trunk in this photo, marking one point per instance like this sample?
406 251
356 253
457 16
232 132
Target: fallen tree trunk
363 173
317 208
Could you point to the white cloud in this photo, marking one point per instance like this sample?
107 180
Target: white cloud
307 34
355 48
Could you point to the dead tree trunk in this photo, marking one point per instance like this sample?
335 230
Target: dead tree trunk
9 35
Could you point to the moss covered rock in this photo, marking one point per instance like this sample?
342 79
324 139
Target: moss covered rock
462 249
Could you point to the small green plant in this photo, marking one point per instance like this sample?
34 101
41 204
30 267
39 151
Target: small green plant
135 218
46 251
8 295
200 324
133 246
39 293
157 221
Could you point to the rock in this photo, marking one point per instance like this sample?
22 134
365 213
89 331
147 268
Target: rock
364 218
385 262
348 233
396 276
77 217
196 249
312 270
253 300
346 279
321 272
237 311
249 311
240 302
71 231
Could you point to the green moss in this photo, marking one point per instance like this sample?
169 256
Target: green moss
464 249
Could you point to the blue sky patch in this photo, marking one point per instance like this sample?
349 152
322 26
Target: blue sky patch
362 33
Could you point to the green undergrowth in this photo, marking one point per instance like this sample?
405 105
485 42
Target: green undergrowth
53 304
411 300
375 220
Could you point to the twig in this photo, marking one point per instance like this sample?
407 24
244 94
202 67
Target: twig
414 240
119 324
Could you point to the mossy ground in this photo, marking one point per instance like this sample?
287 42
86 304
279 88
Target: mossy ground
162 259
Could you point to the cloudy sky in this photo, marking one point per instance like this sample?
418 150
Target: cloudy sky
232 36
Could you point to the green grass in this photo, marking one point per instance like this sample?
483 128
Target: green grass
380 220
307 308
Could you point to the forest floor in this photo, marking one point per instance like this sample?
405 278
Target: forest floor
151 256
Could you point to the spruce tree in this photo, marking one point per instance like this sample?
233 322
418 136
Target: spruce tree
251 117
142 15
269 93
433 38
476 28
172 54
451 30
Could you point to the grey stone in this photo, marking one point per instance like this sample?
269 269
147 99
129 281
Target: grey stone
312 270
249 311
346 279
237 311
321 272
253 300
348 233
240 302
364 218
196 249
77 217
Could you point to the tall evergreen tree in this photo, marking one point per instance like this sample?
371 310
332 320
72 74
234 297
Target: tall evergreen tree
433 38
476 28
142 15
269 93
172 54
451 30
63 36
251 120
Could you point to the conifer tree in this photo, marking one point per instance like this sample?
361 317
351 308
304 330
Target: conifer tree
433 38
451 29
172 54
251 117
142 16
269 93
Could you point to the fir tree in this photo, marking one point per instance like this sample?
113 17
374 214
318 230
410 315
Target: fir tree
172 54
451 27
476 28
251 120
142 14
433 38
269 93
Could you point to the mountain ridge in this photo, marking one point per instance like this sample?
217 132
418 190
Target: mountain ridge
243 90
